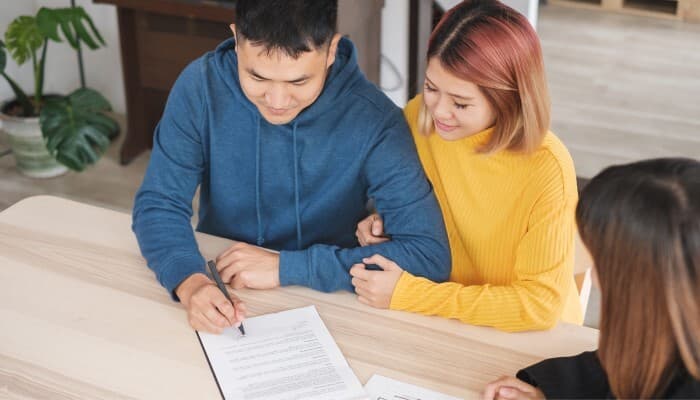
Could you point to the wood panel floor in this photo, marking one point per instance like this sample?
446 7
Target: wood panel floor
107 184
623 88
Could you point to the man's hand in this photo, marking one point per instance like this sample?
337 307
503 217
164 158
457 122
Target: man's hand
371 231
511 388
245 265
375 288
208 310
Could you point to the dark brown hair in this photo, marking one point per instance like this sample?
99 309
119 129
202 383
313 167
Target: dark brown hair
641 223
292 26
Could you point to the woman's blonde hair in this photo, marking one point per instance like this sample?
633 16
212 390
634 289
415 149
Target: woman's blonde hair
641 223
496 48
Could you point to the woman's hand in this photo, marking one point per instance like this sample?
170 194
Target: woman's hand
511 388
375 287
371 231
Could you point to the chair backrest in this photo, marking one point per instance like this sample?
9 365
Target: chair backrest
582 273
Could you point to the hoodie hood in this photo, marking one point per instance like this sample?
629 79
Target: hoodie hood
344 75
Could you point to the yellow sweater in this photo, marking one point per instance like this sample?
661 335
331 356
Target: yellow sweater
510 222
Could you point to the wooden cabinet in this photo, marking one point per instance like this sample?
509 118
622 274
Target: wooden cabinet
160 37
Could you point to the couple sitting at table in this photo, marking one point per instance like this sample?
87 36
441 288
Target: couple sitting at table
288 141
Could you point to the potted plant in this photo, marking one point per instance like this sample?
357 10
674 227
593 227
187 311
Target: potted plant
51 133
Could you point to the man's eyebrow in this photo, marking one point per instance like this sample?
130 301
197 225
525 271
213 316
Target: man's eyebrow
262 78
298 80
256 75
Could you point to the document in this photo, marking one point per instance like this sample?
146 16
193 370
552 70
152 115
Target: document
382 388
283 356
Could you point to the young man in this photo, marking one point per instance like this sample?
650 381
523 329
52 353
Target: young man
287 141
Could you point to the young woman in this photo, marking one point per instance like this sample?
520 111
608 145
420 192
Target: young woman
641 224
505 183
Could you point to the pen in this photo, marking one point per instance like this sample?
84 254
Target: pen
220 284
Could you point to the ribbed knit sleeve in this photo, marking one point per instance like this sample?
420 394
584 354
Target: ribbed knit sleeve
532 301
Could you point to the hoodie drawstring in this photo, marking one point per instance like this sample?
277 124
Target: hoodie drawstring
296 185
260 239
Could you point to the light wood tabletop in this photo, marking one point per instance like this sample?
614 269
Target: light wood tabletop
83 317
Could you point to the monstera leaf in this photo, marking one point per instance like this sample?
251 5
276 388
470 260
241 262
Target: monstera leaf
75 128
72 22
23 38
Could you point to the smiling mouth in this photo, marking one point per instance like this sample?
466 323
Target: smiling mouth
277 111
444 127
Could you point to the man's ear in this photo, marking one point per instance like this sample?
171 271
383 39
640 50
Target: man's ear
333 49
235 39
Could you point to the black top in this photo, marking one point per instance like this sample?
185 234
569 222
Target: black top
582 377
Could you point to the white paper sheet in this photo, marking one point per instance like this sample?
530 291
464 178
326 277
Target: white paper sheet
382 388
284 356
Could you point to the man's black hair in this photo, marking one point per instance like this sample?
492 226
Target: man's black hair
292 26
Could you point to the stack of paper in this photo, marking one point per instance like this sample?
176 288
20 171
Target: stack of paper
382 388
291 356
284 356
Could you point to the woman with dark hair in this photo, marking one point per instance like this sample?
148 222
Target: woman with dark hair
641 224
505 183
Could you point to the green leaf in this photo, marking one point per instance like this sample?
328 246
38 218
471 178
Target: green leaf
48 24
106 123
70 21
23 38
84 35
76 131
70 37
93 28
89 100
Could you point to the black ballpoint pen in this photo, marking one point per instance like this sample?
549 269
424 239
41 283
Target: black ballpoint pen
220 284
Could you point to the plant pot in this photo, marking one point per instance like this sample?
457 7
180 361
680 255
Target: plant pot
29 148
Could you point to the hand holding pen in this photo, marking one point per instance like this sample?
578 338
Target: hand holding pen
209 309
220 284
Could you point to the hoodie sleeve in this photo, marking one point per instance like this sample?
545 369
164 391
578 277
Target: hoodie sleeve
405 199
163 204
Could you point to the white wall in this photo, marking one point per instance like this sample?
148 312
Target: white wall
23 76
103 69
394 68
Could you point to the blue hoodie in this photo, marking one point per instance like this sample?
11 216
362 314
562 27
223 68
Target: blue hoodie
299 188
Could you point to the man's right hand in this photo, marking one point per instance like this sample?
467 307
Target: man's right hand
371 231
208 310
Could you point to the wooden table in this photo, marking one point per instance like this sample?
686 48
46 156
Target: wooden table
83 317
